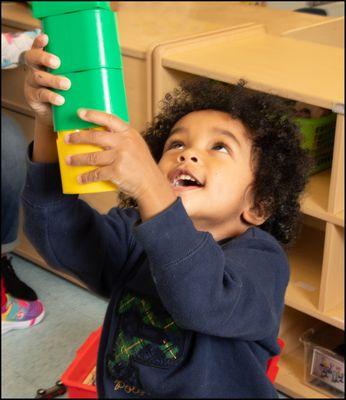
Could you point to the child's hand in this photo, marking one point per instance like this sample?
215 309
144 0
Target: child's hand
37 80
126 159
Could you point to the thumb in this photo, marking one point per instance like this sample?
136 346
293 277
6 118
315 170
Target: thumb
40 41
110 121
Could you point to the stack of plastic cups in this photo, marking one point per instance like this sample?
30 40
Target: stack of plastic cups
84 36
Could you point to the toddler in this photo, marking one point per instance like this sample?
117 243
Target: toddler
194 270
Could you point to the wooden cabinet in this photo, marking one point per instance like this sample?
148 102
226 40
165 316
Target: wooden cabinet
143 28
307 71
297 56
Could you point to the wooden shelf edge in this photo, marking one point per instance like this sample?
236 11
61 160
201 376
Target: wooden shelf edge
252 83
294 387
336 219
313 312
341 216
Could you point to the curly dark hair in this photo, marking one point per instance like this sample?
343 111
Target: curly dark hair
281 167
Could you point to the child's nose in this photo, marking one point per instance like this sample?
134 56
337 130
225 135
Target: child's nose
185 157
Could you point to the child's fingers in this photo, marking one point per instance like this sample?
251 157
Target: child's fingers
39 58
114 123
106 157
41 108
40 41
98 174
42 95
43 78
98 138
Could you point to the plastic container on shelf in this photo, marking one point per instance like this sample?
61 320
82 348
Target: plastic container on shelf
318 138
324 360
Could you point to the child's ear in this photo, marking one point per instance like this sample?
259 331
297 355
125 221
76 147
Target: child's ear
253 214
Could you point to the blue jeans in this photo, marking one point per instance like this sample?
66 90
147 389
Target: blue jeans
13 172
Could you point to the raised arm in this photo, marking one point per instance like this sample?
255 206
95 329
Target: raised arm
72 236
66 231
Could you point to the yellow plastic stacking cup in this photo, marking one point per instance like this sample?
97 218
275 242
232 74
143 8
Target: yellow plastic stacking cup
69 173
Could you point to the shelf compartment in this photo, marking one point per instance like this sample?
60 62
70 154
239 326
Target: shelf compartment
337 315
276 68
340 216
337 184
305 260
333 270
291 365
315 198
329 32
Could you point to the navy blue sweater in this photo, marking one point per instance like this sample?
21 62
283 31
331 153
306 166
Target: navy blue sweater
188 317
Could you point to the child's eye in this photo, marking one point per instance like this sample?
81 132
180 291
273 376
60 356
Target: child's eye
222 148
175 145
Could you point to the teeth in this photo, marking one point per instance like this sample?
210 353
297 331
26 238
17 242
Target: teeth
183 177
186 177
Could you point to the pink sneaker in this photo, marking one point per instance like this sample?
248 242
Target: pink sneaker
20 314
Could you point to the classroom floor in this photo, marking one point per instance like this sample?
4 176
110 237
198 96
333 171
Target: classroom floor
36 357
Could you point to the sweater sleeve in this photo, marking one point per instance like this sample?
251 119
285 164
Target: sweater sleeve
233 291
72 236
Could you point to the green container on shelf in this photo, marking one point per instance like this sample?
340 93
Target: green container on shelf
318 138
85 90
83 40
42 9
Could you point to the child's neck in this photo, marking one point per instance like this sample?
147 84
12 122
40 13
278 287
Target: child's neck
221 231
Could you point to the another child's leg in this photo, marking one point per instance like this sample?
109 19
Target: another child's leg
3 294
13 171
20 314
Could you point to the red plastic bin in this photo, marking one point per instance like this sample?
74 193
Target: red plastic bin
85 361
272 367
81 367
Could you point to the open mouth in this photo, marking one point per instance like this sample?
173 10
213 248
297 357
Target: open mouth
185 179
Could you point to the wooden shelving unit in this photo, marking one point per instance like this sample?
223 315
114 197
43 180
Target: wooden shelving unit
291 372
304 71
315 201
294 55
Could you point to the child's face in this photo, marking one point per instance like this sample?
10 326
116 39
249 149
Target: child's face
207 160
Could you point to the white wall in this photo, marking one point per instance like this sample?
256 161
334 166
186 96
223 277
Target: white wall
334 9
287 5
